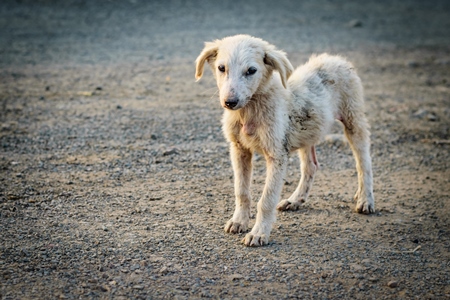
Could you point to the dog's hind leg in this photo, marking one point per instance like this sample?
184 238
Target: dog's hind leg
241 160
357 132
266 214
309 166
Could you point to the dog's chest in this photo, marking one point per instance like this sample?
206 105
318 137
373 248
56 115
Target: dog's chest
248 129
257 133
248 135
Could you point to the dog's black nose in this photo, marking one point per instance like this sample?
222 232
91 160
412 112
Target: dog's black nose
230 103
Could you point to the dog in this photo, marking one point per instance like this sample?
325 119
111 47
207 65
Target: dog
274 110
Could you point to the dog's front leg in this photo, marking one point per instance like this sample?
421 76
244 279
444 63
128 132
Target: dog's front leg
266 215
241 159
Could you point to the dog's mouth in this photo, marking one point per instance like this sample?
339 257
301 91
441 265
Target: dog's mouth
231 108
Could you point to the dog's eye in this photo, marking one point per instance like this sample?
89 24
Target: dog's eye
221 68
250 71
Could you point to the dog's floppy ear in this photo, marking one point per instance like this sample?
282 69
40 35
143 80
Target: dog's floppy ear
208 53
277 59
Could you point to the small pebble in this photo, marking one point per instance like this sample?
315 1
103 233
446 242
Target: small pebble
392 284
355 23
413 64
431 117
420 114
235 277
170 152
103 288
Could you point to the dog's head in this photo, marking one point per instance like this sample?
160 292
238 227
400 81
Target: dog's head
241 65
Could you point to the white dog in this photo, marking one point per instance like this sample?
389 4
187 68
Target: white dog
275 113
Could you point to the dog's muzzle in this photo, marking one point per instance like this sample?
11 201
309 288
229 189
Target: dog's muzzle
231 103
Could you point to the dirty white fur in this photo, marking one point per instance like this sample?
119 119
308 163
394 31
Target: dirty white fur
275 110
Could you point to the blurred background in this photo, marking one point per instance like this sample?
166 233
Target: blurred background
94 32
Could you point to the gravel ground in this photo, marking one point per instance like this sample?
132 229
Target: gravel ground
115 178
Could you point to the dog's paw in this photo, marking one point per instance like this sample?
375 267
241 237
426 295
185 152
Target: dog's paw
288 205
364 205
235 227
255 240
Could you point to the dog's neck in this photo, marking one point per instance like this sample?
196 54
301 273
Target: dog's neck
262 102
262 98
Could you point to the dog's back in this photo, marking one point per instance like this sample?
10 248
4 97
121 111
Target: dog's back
329 88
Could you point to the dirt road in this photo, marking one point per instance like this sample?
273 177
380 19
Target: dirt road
115 179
